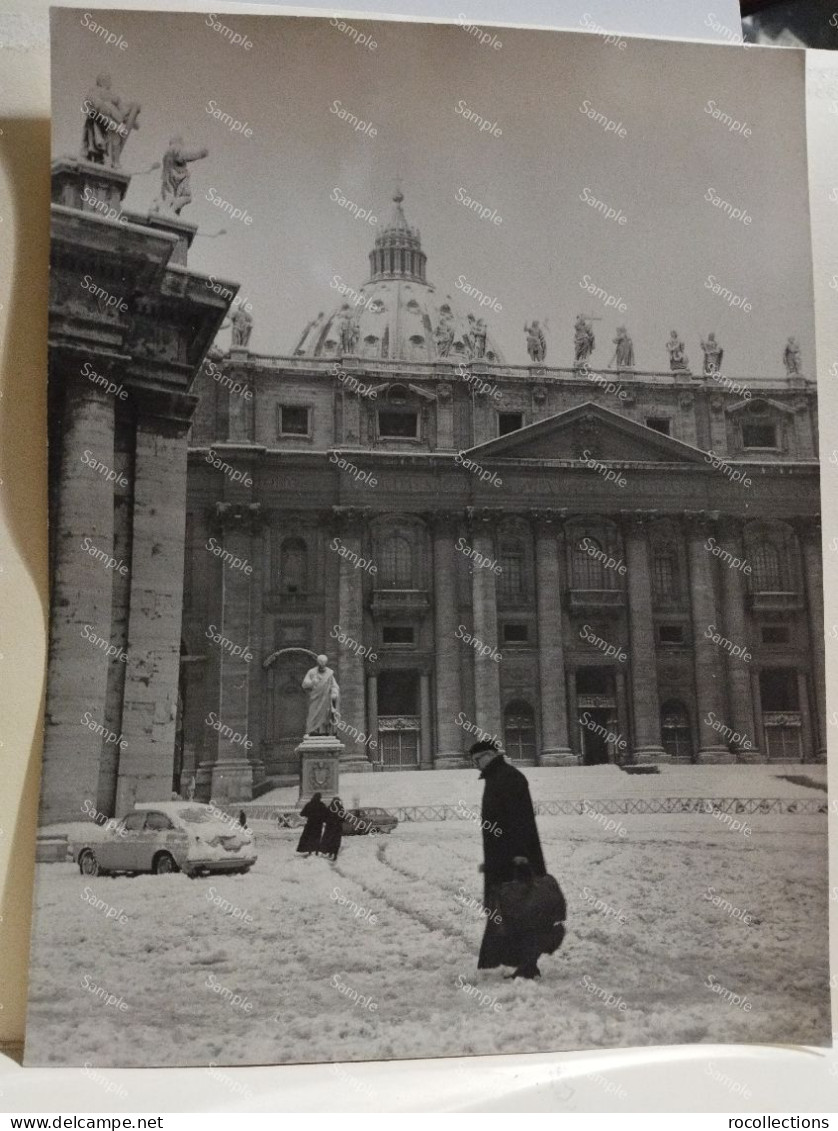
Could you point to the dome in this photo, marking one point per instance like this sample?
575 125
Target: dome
396 314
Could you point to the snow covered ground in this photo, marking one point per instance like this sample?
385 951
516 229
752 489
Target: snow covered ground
306 965
574 783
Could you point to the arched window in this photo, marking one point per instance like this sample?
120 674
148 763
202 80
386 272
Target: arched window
676 734
512 564
293 566
588 570
519 732
665 573
396 563
768 573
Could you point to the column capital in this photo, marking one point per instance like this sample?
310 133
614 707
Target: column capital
484 519
637 522
699 524
444 522
729 527
350 520
808 528
548 520
238 516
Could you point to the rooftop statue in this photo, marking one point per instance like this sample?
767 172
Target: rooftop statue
109 119
536 342
792 358
624 353
713 354
175 188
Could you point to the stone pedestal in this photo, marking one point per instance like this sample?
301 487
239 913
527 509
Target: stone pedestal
174 226
320 765
232 780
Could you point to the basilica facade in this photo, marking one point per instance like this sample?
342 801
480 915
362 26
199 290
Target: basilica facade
592 565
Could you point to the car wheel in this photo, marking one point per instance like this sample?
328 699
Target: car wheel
240 871
164 863
88 864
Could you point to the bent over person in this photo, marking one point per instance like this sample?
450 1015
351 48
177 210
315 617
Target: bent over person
511 850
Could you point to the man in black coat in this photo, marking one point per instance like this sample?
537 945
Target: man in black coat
510 844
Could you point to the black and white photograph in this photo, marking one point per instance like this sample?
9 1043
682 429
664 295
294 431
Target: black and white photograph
436 661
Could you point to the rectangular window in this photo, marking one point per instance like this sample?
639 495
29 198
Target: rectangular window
775 634
397 634
397 424
658 424
516 633
293 420
509 422
671 633
759 436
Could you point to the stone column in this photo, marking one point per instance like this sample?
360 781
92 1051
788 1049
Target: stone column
647 745
449 737
372 718
485 628
350 523
81 602
622 715
573 721
736 629
555 750
807 734
425 737
708 657
149 711
810 536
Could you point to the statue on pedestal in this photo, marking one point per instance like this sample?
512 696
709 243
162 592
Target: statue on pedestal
242 327
323 698
536 342
444 333
792 358
108 121
678 360
348 331
713 354
624 353
583 339
175 188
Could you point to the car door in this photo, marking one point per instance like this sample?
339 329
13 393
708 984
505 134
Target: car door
119 851
156 835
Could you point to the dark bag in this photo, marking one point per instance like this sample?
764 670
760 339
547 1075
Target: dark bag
531 905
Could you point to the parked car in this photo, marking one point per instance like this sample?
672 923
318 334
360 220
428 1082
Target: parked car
168 836
289 819
360 822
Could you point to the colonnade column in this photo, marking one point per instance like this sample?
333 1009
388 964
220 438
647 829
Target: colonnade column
810 536
350 525
149 710
735 624
425 735
555 750
449 737
81 603
646 745
485 629
708 657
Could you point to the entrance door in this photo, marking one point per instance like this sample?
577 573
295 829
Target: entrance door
594 725
596 714
398 720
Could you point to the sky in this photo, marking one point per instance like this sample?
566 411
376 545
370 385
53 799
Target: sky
550 159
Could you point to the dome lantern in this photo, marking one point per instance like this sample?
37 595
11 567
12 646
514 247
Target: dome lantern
397 253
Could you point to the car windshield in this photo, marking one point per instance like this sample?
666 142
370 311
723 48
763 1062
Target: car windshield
195 816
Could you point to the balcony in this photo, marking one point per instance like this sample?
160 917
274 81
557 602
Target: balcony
775 601
407 601
597 600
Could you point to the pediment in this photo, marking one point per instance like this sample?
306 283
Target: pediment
589 428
